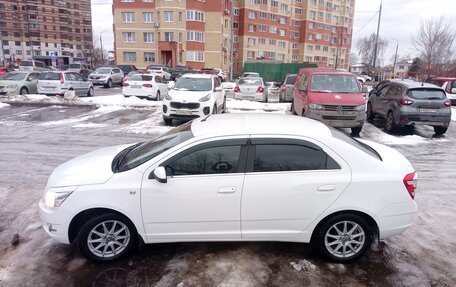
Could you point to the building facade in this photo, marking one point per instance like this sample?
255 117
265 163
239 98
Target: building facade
56 32
197 32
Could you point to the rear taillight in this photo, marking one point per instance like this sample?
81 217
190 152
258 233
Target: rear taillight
237 90
406 102
125 84
147 85
284 88
260 89
448 103
410 181
62 78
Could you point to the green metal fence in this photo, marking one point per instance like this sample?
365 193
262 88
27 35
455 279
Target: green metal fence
275 71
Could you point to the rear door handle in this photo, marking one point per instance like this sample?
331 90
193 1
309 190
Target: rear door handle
227 190
328 187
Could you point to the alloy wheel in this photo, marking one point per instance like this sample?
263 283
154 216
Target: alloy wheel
345 239
108 238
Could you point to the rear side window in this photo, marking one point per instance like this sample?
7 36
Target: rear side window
355 143
290 157
426 94
26 63
291 80
50 77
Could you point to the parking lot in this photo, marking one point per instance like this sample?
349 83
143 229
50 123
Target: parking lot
34 140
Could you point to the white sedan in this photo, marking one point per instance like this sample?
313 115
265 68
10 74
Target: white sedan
145 86
233 177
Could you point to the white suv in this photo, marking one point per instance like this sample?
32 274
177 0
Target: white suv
194 95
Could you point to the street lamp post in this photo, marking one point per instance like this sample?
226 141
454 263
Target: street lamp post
395 56
101 46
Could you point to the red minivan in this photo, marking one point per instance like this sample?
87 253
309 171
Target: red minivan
330 96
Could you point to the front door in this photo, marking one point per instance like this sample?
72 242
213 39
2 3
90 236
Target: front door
202 196
288 184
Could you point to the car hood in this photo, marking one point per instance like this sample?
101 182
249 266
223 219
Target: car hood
8 82
337 98
189 96
90 168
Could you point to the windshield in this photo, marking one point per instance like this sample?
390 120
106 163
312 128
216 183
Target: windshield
15 76
355 143
334 83
103 71
193 84
291 80
152 148
75 66
426 94
26 63
137 77
250 82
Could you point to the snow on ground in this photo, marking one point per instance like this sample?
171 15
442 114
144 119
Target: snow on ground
3 105
453 114
380 136
120 100
79 119
236 106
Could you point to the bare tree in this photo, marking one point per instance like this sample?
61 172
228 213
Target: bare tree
353 59
94 54
434 41
366 46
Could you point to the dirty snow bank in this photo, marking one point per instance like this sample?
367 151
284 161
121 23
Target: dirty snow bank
303 264
379 136
120 100
3 105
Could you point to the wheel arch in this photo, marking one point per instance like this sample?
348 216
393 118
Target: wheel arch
371 221
78 221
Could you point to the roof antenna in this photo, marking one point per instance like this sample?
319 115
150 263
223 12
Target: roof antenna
203 120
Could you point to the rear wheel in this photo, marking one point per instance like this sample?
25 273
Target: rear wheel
167 121
158 97
440 130
369 114
109 84
344 237
266 98
90 92
293 107
23 91
224 105
107 237
390 124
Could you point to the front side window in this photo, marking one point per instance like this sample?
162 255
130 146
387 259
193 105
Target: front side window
291 157
210 160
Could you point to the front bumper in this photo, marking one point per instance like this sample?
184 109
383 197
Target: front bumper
54 223
349 119
173 110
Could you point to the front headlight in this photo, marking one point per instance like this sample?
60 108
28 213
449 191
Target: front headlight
53 199
315 106
11 86
360 108
205 98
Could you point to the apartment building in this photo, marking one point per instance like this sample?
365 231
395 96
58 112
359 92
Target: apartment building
52 31
197 32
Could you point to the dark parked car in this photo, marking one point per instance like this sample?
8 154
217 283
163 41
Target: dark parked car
408 103
178 70
286 88
127 68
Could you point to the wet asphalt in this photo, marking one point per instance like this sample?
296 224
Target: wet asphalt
34 140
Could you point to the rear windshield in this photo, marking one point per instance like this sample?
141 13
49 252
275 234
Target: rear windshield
26 63
355 143
137 77
15 76
250 82
50 76
75 66
426 94
250 75
291 80
334 83
126 68
193 84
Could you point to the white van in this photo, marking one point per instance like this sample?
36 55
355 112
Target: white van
32 65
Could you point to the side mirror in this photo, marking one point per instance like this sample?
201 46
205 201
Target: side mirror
364 90
170 85
159 174
218 89
453 90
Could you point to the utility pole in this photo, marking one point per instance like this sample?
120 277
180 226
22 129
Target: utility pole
232 41
395 57
378 31
101 45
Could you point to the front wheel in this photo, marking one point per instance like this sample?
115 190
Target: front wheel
390 124
369 114
108 84
24 91
90 92
107 237
344 237
440 130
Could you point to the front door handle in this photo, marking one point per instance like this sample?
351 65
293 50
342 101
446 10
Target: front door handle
227 190
328 187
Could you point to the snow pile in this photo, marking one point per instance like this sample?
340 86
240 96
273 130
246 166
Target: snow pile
453 114
120 100
303 264
234 106
35 98
379 136
3 105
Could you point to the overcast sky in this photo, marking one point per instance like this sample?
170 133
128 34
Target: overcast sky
400 19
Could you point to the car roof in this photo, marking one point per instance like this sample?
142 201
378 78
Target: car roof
324 71
410 84
202 76
258 124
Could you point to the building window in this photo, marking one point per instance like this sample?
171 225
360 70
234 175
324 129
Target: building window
148 17
236 11
168 16
128 17
251 41
169 36
129 56
236 25
193 15
128 37
272 42
195 36
295 57
295 46
263 15
309 48
298 11
251 28
195 56
282 44
250 55
262 28
281 57
149 57
149 37
252 14
261 41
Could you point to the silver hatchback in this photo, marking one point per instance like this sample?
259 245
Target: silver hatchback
408 103
58 82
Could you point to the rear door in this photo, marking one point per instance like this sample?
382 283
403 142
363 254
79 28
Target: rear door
288 183
117 76
379 101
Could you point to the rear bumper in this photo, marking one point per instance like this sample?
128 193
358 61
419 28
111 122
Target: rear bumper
432 120
251 97
336 119
395 219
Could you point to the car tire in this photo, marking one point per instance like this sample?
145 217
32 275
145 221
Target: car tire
224 105
168 121
157 97
266 99
90 92
109 84
293 107
341 232
356 130
439 130
214 109
369 113
23 91
390 124
107 237
281 99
